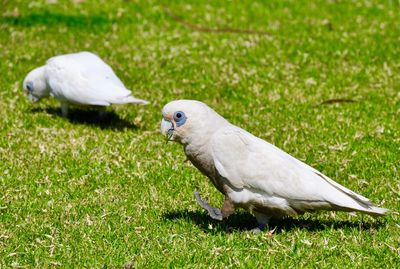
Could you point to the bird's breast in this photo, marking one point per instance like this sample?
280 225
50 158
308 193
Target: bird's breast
204 162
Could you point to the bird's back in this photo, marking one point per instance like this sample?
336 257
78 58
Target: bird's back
84 78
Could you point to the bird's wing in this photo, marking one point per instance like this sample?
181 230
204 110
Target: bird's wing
246 161
83 78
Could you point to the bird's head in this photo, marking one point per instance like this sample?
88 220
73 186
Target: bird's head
35 84
188 120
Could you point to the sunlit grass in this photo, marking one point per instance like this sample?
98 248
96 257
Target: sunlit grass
78 193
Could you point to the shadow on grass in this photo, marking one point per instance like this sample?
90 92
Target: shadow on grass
244 221
111 120
54 18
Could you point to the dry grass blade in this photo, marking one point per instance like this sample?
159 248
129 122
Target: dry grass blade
201 28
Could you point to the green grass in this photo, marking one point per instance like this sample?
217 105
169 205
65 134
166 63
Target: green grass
82 194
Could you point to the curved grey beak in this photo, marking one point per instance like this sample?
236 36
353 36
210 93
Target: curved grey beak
167 129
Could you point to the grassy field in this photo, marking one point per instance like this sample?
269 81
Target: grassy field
319 79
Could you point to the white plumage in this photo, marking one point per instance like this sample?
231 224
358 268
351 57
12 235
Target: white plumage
78 78
250 172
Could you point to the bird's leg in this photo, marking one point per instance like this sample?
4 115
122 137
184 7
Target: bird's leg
64 110
262 220
227 208
213 212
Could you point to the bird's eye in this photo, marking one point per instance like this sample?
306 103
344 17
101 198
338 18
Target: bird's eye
29 87
179 118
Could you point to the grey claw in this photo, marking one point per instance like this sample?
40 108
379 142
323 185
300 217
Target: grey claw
213 212
256 230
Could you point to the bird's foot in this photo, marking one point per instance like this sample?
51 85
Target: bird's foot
256 230
213 212
260 228
262 220
266 229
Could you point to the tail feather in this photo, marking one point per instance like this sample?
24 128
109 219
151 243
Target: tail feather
359 202
130 99
377 211
372 210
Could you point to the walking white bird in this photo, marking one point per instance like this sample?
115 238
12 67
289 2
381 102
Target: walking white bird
250 172
79 78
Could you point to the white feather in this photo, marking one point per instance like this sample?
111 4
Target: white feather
83 78
78 78
254 173
252 164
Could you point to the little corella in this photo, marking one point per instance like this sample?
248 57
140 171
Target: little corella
250 172
78 78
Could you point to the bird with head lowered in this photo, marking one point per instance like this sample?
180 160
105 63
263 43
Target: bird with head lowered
80 79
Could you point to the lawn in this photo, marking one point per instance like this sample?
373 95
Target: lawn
319 79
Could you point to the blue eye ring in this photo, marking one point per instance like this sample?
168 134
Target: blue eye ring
29 86
179 118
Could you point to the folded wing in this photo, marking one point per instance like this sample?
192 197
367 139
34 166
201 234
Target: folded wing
250 163
83 78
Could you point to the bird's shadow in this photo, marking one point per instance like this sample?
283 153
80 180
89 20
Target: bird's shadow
98 21
110 120
244 221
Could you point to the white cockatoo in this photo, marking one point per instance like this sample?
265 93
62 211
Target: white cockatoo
252 173
78 78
